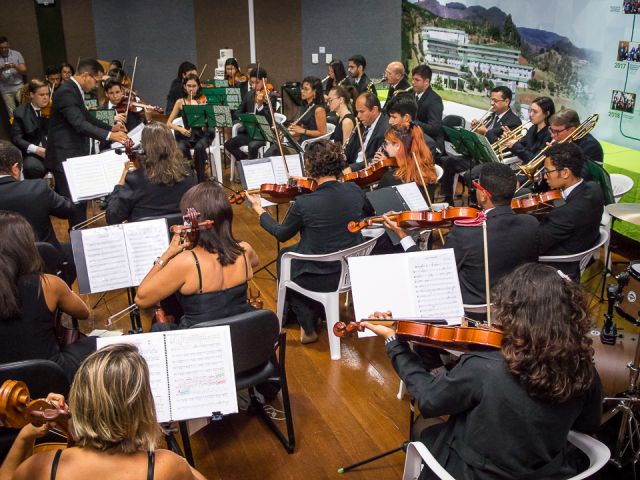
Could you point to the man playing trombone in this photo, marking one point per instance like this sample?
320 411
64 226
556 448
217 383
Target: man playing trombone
491 125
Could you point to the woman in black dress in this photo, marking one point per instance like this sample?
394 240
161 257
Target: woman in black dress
339 102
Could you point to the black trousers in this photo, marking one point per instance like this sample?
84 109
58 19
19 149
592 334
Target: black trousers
200 144
33 167
242 139
451 166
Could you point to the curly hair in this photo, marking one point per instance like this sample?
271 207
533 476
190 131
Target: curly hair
324 158
545 321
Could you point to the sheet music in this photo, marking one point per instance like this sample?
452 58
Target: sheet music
416 284
280 173
191 371
410 193
151 347
434 282
112 165
145 242
257 172
105 252
83 177
201 375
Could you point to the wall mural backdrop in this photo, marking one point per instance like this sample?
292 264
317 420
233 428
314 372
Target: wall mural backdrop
585 54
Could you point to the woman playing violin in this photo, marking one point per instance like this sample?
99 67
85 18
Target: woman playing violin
234 76
320 218
510 410
196 138
209 279
113 424
29 300
157 182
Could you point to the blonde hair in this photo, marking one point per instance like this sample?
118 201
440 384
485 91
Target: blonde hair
162 161
110 402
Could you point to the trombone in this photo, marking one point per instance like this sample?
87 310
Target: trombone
516 134
484 120
535 166
374 82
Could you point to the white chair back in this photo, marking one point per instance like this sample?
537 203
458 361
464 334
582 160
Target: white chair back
620 185
582 257
330 129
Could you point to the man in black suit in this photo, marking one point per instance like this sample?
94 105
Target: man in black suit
430 107
71 127
254 101
356 66
33 199
574 226
564 123
29 130
492 128
374 125
395 76
511 238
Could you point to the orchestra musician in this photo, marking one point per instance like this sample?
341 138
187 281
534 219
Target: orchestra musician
66 72
574 226
356 66
196 138
395 76
501 116
564 123
511 238
255 101
117 101
320 218
113 426
373 125
430 107
155 186
338 101
35 201
234 76
71 126
30 128
313 122
337 76
538 135
209 278
30 299
510 410
52 77
176 90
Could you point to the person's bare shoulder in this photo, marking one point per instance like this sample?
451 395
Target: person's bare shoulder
171 466
36 466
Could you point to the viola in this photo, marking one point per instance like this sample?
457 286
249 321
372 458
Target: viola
535 203
279 193
17 409
190 230
419 219
132 154
428 332
371 174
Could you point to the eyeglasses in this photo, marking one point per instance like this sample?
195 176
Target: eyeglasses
549 172
493 100
481 188
556 132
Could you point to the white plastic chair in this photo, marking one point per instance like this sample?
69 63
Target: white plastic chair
439 172
330 129
417 453
620 185
329 300
582 257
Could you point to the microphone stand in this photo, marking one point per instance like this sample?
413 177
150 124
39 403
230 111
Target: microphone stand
609 332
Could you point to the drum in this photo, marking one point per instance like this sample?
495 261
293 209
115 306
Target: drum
629 304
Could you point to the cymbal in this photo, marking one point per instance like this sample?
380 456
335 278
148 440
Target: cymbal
627 212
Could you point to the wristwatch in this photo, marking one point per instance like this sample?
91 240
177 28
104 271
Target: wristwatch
159 261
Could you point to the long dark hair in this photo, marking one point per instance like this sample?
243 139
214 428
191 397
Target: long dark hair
209 200
162 161
18 256
545 321
316 86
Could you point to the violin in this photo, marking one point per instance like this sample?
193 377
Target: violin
460 337
17 409
132 154
278 193
419 219
190 230
371 174
237 78
535 203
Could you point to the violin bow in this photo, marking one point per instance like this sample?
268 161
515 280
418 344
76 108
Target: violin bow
426 191
364 156
133 76
203 69
487 287
273 121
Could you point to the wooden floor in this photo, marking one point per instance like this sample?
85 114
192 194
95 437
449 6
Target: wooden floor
344 411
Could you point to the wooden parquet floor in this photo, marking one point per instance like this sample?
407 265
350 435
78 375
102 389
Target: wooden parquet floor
344 411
